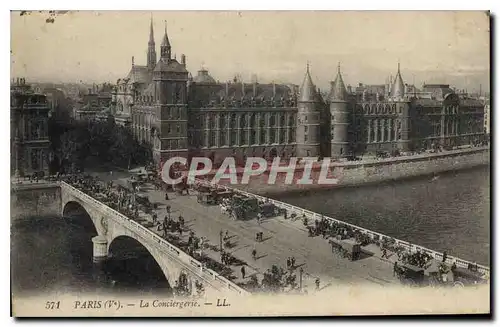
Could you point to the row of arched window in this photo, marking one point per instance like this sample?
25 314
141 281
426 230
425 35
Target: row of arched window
246 120
380 108
222 138
383 130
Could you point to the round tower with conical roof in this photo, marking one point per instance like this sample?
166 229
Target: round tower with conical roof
308 119
339 117
403 109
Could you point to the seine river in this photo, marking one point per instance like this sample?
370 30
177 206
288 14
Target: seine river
451 213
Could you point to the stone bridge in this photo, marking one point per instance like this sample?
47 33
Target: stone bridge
110 225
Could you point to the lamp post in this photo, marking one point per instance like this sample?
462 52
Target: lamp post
301 271
220 240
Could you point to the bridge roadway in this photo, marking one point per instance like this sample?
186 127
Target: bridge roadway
282 238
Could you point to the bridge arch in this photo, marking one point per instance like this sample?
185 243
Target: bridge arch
76 213
123 237
129 256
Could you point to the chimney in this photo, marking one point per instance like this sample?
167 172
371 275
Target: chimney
254 88
183 60
133 61
274 90
242 89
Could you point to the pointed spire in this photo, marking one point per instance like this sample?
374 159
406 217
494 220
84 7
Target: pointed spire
166 41
165 47
338 91
151 32
398 88
307 90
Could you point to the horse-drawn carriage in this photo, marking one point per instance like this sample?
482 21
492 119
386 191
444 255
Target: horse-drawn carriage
409 274
347 248
241 207
206 198
269 210
454 276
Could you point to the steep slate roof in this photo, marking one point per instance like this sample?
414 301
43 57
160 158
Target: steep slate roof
172 65
139 74
307 91
398 88
206 93
338 91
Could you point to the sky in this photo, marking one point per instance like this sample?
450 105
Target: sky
432 47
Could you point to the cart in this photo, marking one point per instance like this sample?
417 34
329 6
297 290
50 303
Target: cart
348 248
268 210
206 198
410 275
352 249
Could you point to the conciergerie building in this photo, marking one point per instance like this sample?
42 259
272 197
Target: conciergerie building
182 115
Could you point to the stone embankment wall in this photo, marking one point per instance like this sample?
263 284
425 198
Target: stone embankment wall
381 170
30 200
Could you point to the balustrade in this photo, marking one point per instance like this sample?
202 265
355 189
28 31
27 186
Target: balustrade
373 235
135 227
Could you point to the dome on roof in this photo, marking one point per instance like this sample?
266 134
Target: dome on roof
203 77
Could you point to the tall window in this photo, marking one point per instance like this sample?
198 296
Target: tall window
212 139
233 137
209 121
243 122
282 135
223 134
243 136
233 121
291 136
272 135
253 136
272 120
34 159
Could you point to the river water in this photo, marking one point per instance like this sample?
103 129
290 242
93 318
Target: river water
451 213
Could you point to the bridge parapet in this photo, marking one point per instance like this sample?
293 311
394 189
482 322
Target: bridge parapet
211 277
411 248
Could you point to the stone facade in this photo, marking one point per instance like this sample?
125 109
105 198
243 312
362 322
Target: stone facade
181 115
29 115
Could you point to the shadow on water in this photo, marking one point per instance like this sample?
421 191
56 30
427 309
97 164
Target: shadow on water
55 254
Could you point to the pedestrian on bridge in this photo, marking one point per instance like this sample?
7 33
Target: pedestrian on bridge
317 284
254 254
243 272
395 270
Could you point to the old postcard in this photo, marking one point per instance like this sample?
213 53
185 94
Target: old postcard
183 163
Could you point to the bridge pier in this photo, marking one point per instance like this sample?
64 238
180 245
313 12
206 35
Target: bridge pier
100 249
